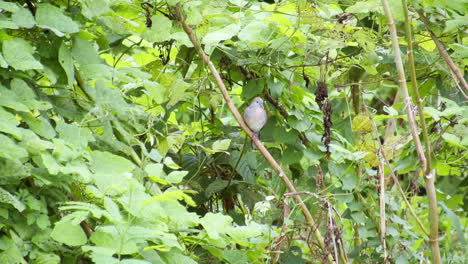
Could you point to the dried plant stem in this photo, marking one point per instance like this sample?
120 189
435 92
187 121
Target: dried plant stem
429 173
443 52
318 237
383 226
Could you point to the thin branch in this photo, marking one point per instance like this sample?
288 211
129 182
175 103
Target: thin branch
443 52
240 120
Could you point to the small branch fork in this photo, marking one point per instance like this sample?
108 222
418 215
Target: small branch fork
181 19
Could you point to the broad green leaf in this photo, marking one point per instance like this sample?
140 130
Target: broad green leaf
110 237
214 37
84 52
160 31
3 62
39 125
19 54
66 61
362 123
110 169
452 139
11 253
7 6
235 257
365 6
47 258
69 234
169 162
176 256
31 142
4 23
179 91
255 34
10 149
53 18
13 171
73 135
175 141
221 145
178 215
8 198
243 233
216 224
176 176
49 163
94 8
23 18
9 123
113 209
216 186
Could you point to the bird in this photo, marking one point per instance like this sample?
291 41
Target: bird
255 116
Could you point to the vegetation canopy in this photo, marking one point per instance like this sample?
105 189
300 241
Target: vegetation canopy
122 138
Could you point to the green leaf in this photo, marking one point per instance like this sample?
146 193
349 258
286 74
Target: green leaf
3 62
362 123
110 237
8 198
39 125
235 257
176 176
23 18
255 34
10 149
11 253
67 233
47 258
9 7
221 145
19 54
84 52
94 8
216 224
51 17
160 31
365 7
66 61
216 186
169 162
214 37
110 170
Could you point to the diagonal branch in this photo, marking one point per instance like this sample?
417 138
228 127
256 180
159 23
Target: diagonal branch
318 237
443 52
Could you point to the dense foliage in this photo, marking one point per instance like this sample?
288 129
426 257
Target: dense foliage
116 145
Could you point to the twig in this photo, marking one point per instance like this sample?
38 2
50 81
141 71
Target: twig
443 52
240 120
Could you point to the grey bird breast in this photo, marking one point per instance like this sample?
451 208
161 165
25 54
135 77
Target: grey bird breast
255 115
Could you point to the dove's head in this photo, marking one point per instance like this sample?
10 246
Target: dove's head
258 100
